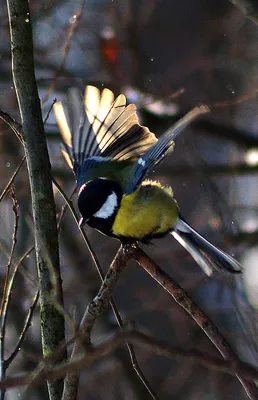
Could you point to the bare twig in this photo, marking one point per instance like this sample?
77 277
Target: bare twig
2 195
144 342
248 7
23 332
49 111
130 348
195 312
248 386
77 16
6 298
98 305
15 126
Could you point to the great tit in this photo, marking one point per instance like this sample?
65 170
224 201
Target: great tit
111 155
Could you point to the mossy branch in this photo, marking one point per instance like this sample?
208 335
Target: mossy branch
43 206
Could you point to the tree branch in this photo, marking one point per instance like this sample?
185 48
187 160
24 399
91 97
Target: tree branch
248 8
98 305
43 206
6 294
181 297
144 341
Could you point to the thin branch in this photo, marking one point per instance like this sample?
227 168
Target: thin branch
5 297
15 126
144 341
248 386
240 169
24 331
248 8
181 297
49 111
130 348
7 187
77 17
216 170
96 308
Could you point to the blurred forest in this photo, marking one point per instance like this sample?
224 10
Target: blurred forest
167 57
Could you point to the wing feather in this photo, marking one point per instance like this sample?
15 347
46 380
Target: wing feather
98 126
155 153
64 129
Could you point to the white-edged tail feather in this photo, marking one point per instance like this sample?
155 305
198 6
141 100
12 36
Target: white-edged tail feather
206 255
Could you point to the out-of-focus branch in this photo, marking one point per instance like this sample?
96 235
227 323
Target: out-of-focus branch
7 187
190 170
99 304
14 125
230 133
129 346
23 332
216 170
77 16
248 7
43 206
6 295
96 308
144 341
181 297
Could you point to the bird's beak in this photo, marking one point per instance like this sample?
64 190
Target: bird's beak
82 221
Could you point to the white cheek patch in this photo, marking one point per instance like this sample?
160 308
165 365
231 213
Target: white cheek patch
108 208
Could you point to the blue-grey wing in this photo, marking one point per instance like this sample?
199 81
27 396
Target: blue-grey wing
159 149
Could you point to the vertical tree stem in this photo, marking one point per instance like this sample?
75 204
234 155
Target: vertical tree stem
43 206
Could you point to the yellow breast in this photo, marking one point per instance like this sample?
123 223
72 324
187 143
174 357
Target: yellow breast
150 210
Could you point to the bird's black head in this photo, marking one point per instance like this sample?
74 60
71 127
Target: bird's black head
98 202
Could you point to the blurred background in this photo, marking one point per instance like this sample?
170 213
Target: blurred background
166 56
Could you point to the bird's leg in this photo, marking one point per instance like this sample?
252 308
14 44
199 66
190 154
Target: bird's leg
129 245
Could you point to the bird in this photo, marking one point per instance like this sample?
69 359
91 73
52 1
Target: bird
112 155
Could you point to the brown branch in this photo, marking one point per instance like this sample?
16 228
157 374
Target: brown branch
130 348
7 187
96 308
224 348
216 170
240 169
238 100
229 133
181 297
24 331
248 8
49 111
77 17
6 298
144 342
15 126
